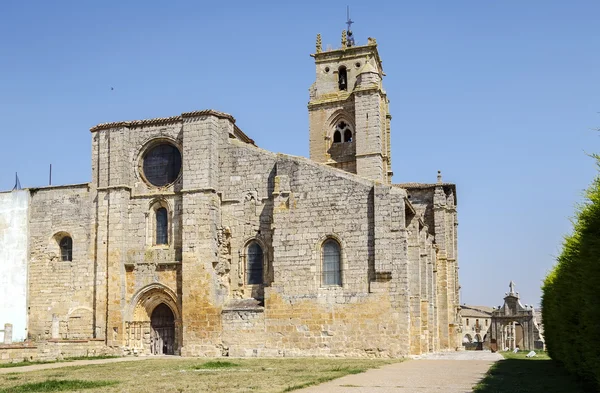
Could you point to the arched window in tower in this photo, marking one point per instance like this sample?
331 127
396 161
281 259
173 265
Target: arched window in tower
66 248
342 78
162 226
337 136
331 271
254 269
342 129
347 135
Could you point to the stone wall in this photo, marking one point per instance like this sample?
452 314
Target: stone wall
14 212
436 203
61 292
368 313
54 350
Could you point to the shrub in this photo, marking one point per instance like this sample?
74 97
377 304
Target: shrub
570 306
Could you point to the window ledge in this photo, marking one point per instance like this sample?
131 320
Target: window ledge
331 287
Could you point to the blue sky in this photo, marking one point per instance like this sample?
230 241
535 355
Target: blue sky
502 97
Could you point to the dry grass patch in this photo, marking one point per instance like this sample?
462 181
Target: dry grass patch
198 375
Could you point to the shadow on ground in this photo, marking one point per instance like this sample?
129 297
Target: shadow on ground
523 375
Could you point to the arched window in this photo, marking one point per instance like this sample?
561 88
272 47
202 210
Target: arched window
162 226
332 273
342 129
342 78
467 321
486 322
347 135
254 269
66 248
337 136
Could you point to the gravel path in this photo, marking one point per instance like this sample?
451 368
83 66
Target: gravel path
449 372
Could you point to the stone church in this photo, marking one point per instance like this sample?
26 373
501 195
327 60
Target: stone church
191 240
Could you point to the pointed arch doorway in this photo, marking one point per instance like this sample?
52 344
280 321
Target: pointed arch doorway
154 322
162 324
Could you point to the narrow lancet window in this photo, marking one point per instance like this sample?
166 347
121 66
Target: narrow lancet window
255 264
66 248
347 136
337 137
332 274
162 226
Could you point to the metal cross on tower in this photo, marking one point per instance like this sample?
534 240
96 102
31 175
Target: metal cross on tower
350 38
348 20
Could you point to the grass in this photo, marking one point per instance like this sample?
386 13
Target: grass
71 359
181 375
214 365
519 374
22 364
53 385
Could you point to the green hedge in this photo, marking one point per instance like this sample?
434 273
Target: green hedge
571 295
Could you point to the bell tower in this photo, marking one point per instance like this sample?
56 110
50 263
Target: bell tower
349 119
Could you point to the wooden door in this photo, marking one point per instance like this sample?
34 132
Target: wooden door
163 330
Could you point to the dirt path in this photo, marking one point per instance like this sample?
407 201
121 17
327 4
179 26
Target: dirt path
452 372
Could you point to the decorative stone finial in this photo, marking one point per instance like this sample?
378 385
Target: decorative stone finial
439 177
344 39
371 41
319 44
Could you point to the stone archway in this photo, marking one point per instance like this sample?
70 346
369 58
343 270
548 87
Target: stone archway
154 322
162 323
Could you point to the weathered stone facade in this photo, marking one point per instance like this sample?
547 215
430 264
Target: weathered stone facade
393 287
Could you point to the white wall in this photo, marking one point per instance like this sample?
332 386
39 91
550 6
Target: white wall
14 208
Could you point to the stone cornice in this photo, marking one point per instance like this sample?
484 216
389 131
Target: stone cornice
162 120
336 98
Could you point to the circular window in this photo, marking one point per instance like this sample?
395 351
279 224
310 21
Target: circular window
326 69
357 65
162 164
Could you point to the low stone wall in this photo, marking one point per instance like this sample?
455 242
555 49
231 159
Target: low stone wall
54 350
